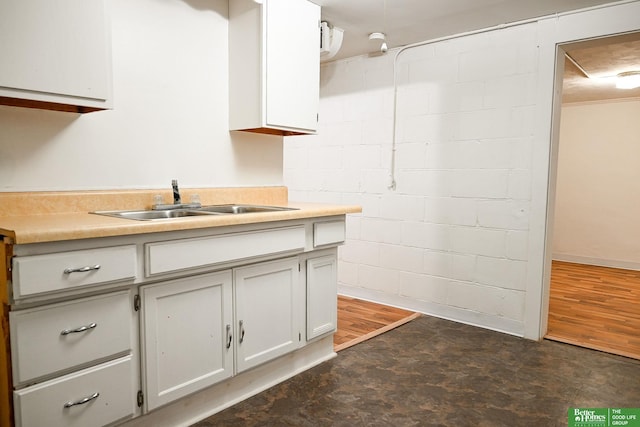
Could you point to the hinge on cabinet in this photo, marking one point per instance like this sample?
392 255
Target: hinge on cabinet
140 398
299 267
299 336
136 302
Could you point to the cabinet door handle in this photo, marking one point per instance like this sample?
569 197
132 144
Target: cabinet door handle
241 331
82 269
82 401
80 329
229 336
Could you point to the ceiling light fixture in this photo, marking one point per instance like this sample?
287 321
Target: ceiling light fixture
628 80
380 36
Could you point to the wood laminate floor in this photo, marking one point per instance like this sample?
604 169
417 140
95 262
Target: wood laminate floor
595 307
359 320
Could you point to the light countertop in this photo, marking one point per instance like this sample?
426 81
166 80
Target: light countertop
66 215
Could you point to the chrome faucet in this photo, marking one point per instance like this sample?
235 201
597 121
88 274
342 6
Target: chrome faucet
177 200
176 192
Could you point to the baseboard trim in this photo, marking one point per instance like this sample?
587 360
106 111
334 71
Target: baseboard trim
469 317
578 259
590 345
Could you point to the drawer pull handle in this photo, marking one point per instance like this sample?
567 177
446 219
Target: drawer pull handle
229 336
83 400
82 269
80 329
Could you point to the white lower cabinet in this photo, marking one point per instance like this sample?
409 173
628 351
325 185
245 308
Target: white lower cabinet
97 342
322 283
186 333
189 336
267 303
97 396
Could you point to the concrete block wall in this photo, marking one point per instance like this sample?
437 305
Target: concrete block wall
464 234
451 240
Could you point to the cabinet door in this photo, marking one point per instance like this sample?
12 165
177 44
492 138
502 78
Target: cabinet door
267 297
322 296
55 51
186 334
292 64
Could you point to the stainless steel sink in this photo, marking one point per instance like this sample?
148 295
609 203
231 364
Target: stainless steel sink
239 209
160 214
148 215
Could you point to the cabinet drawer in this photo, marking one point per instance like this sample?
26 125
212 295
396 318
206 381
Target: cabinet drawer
328 233
36 274
42 344
163 257
44 404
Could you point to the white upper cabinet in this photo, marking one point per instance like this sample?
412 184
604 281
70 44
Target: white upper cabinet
274 66
55 55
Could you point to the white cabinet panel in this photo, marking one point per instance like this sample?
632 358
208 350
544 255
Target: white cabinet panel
293 64
107 389
267 298
55 51
322 294
53 338
186 334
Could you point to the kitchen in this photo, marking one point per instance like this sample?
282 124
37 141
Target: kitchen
166 122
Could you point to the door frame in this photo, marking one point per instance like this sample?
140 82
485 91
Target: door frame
597 22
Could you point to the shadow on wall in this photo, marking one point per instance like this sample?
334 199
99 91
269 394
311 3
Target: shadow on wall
258 157
25 133
357 74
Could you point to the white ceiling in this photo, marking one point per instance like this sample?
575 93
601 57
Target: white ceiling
599 60
410 21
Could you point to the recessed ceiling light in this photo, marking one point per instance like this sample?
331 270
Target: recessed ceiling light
628 80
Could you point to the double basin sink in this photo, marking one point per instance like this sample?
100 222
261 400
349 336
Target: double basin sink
182 212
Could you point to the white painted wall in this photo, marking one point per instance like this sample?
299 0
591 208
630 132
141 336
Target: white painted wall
597 211
464 234
170 116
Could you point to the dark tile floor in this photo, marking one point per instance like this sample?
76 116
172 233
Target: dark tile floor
433 372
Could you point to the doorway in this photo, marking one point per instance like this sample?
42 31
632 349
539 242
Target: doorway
595 273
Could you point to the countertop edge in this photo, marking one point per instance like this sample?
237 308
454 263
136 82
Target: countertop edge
76 226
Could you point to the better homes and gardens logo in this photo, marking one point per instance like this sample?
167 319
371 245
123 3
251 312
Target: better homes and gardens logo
604 417
589 417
